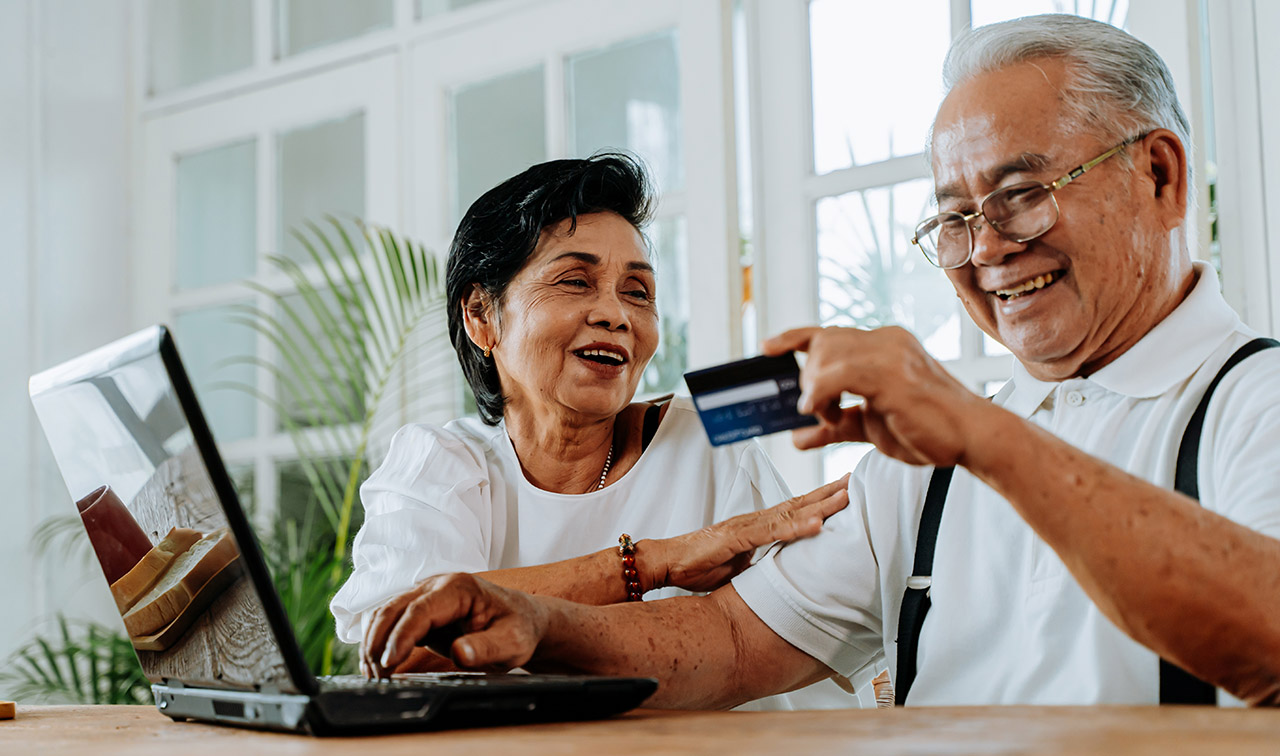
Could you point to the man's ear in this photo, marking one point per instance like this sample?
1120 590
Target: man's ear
479 317
1166 163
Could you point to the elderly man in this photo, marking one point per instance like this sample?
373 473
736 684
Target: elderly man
1065 567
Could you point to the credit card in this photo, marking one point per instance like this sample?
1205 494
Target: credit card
747 398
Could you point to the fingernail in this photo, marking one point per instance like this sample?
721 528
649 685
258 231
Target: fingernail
466 654
386 656
803 404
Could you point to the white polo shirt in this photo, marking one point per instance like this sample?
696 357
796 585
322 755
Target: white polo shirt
1008 623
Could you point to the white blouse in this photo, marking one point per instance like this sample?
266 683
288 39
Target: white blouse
454 499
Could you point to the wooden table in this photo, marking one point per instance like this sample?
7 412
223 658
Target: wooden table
1113 731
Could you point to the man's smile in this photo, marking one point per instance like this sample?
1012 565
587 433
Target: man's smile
1029 285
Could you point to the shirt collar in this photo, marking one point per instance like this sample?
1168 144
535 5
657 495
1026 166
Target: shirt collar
1167 355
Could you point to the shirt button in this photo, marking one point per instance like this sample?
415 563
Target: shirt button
1075 398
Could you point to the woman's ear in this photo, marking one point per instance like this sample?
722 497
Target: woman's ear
479 317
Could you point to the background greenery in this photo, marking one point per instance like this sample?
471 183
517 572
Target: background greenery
367 305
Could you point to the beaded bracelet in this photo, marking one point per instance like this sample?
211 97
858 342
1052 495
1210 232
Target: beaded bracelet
629 575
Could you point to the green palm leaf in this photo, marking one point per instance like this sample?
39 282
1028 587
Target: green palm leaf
362 308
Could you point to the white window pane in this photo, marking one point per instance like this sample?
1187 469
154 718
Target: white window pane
321 172
216 216
990 11
669 240
436 7
839 459
211 342
305 24
992 347
195 40
877 78
628 97
499 129
871 275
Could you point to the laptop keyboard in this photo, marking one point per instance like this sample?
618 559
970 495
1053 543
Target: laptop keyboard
428 679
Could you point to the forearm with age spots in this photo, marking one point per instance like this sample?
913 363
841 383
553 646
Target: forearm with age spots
697 647
588 579
1195 587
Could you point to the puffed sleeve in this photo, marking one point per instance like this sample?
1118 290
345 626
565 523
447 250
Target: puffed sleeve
427 511
753 483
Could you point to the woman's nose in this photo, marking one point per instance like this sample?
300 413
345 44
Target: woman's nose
609 311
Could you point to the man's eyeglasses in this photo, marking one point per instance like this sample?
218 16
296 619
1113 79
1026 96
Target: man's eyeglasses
1020 213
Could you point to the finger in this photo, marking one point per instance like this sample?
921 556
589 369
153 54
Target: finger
502 646
790 524
795 340
818 494
837 501
845 427
437 606
375 635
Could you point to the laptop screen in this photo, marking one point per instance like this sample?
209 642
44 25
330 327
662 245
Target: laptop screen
138 459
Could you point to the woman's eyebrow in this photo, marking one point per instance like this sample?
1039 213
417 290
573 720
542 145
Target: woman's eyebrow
593 259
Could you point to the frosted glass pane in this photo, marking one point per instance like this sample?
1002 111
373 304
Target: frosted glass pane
194 40
669 241
209 339
315 395
877 78
305 24
869 273
1114 12
499 129
216 216
628 97
321 172
436 7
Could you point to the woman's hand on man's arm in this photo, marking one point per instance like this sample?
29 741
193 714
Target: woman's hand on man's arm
708 558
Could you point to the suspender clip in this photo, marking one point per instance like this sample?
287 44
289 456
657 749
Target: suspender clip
920 582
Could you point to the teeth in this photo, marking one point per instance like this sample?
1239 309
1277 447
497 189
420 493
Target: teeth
603 353
1039 282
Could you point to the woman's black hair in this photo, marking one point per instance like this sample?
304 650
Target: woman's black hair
501 230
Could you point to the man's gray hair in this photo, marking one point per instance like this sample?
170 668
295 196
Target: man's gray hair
1117 85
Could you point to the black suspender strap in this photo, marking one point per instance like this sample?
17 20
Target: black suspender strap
915 602
1176 685
1185 477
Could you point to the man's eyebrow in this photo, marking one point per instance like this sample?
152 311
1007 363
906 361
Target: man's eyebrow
1027 162
593 259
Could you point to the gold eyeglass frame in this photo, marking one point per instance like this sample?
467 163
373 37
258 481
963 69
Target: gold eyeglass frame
1052 187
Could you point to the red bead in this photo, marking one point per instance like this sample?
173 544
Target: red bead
628 561
634 597
629 574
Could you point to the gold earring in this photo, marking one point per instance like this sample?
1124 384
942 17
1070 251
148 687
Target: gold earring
488 353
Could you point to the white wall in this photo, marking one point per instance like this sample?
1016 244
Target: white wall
65 175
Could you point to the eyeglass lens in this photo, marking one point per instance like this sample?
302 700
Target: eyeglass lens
1020 212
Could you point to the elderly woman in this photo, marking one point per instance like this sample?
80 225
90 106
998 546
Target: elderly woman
552 314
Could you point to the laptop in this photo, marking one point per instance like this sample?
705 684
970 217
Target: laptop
192 587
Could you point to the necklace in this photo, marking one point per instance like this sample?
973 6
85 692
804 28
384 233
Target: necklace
608 462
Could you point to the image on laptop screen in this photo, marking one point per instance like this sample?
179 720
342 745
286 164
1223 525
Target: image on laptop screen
126 449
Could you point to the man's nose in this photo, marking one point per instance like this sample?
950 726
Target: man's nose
990 247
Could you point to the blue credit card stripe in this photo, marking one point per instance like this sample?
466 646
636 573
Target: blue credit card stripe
737 395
